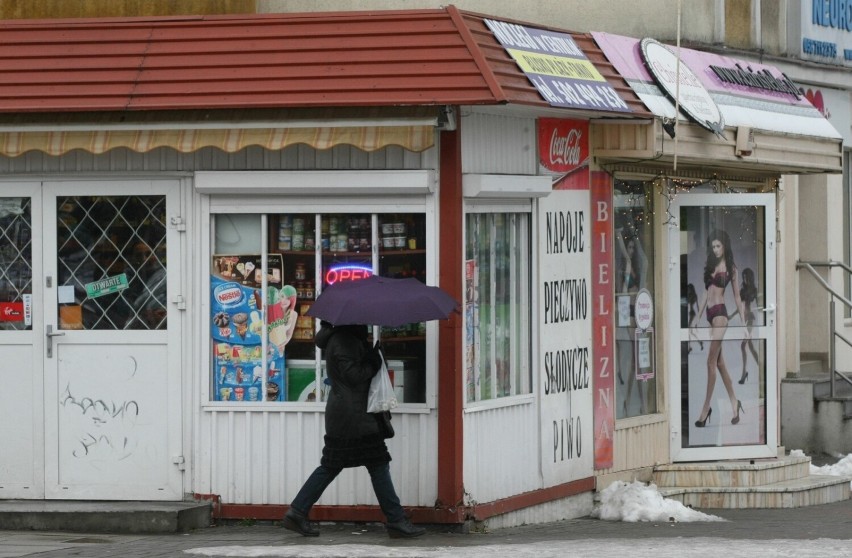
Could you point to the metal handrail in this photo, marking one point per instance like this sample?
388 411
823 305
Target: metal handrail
832 351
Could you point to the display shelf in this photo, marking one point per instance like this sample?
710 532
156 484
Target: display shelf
402 252
361 254
307 253
403 339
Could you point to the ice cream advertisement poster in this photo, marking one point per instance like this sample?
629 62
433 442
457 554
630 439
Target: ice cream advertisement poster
237 326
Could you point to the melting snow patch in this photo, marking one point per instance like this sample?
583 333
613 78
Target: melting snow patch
636 501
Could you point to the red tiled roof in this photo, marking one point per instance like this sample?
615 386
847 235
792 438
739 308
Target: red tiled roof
332 59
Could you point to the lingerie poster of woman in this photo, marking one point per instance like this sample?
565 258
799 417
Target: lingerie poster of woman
724 372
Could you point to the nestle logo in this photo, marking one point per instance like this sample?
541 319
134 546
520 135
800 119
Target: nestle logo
228 294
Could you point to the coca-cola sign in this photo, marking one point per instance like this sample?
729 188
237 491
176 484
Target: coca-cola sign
563 145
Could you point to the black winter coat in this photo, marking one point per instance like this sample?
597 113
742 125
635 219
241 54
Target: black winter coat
352 436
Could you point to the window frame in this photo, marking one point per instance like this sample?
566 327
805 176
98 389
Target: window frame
298 200
507 206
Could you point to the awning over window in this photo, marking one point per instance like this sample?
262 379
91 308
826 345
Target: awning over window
366 138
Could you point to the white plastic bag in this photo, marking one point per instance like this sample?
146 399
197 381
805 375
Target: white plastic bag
381 396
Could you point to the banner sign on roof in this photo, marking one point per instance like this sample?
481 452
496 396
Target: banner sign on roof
746 93
556 66
682 86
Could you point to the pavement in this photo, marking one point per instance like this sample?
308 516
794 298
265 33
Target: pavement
824 530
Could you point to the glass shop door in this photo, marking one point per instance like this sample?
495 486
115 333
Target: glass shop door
723 398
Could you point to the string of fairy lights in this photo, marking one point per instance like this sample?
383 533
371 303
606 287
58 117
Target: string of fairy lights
640 193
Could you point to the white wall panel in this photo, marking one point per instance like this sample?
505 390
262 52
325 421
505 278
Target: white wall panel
263 457
21 421
493 144
501 452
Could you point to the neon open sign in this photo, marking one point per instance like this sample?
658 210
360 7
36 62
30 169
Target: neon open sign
347 273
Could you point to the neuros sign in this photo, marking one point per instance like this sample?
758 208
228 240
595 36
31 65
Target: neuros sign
563 144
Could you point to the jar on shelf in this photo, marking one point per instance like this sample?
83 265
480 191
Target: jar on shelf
300 273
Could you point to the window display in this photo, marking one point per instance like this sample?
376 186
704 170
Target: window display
634 281
16 266
305 253
497 305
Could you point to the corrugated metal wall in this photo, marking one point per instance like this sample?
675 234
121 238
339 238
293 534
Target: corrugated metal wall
493 144
501 452
263 457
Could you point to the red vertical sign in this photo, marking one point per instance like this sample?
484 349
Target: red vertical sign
602 318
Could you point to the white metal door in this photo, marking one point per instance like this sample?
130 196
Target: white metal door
111 340
21 366
723 399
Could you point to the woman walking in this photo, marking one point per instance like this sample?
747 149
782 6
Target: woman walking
352 435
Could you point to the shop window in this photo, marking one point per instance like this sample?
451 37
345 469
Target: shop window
497 305
16 266
634 262
111 258
255 313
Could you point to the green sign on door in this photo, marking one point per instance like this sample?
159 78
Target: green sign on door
106 286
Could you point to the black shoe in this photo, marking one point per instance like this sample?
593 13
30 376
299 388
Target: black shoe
736 419
297 522
403 529
703 423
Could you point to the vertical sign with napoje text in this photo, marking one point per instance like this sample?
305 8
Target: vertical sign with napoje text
565 313
557 67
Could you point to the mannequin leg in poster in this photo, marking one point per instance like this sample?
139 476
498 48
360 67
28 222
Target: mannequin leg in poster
748 293
626 366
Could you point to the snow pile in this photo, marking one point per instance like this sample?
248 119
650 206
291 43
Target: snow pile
636 501
840 469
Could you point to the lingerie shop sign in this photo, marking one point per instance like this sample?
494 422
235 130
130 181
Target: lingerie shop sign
557 67
565 314
682 86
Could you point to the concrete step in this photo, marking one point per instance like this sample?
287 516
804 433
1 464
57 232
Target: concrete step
812 490
104 517
812 368
728 474
782 482
822 386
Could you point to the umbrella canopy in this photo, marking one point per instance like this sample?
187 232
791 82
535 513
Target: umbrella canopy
382 301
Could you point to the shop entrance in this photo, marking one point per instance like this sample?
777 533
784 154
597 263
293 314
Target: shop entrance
723 400
89 277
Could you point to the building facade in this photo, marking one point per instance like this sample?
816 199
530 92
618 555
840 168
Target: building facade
568 215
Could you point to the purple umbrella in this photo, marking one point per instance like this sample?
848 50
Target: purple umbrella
382 301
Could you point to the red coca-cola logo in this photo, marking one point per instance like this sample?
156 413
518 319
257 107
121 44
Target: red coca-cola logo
563 144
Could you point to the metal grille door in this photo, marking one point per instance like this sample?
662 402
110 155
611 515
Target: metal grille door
111 250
